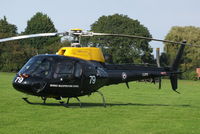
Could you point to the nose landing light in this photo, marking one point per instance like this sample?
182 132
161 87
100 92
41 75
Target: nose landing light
24 75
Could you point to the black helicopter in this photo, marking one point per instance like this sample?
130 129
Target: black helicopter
79 71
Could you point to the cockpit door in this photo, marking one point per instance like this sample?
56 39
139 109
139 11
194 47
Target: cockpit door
78 74
69 73
64 71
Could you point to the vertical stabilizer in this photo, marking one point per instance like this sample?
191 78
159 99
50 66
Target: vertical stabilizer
174 82
175 66
179 55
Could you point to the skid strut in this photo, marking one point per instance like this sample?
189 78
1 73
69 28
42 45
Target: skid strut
67 103
78 101
26 100
44 99
104 102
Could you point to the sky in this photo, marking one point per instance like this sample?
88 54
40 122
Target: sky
159 16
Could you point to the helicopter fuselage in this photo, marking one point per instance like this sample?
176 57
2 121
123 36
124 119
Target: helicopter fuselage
61 76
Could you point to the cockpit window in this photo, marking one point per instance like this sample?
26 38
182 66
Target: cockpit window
41 68
37 66
63 69
78 70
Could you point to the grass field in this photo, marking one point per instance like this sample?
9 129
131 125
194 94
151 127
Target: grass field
142 109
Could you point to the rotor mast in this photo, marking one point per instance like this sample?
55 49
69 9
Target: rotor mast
76 35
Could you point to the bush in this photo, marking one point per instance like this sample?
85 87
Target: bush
189 75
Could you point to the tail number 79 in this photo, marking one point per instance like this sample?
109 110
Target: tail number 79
19 79
92 79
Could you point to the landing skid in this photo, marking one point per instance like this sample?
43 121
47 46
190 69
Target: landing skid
43 98
27 101
67 103
103 99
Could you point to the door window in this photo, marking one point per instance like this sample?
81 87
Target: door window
78 70
63 69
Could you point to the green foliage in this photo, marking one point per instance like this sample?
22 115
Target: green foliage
191 58
40 23
54 47
15 54
7 29
123 50
141 110
190 74
14 57
9 51
164 60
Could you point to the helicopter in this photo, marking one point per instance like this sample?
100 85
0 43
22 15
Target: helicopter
78 71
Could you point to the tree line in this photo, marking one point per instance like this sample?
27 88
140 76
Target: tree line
191 57
14 54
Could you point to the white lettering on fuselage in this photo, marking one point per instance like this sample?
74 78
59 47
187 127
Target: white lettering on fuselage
92 79
145 74
19 79
63 86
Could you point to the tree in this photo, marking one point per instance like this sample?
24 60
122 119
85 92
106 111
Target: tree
12 55
9 55
40 23
7 29
123 50
54 47
191 58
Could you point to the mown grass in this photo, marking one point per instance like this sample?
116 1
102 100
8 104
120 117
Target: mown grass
142 109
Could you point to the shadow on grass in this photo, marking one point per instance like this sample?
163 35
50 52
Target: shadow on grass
107 104
123 104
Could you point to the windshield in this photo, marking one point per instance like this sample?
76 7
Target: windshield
37 66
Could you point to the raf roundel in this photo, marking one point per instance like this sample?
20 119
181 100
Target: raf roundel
124 76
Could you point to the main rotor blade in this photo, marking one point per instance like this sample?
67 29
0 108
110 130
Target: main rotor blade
134 36
30 36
